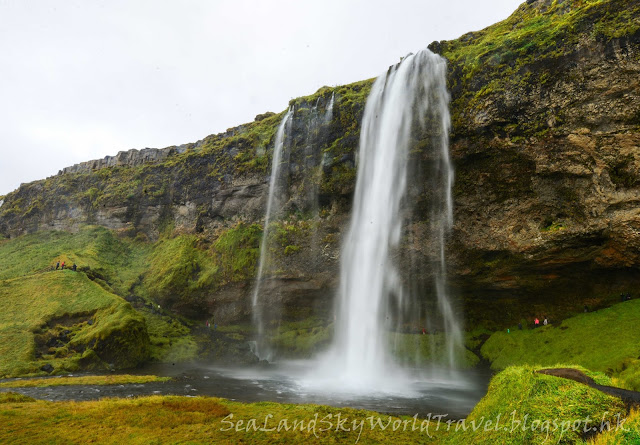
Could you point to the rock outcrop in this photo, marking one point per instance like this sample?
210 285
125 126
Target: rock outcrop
131 158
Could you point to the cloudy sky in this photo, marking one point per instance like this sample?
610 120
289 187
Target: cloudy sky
82 79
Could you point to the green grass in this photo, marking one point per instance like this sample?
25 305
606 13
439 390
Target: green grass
238 249
603 340
171 341
32 301
177 272
628 433
118 261
549 404
114 379
180 273
171 419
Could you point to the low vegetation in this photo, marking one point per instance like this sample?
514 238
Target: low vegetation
523 406
63 321
606 340
100 380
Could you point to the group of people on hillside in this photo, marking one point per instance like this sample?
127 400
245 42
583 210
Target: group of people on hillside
63 265
536 322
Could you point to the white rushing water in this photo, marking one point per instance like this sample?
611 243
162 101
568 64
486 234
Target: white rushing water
328 115
412 91
261 348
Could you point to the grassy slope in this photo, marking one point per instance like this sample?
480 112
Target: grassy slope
519 392
119 262
606 340
175 272
33 293
29 302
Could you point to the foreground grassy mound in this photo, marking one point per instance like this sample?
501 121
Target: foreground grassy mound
629 433
606 340
62 321
522 406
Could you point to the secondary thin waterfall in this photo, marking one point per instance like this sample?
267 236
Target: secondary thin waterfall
257 309
412 91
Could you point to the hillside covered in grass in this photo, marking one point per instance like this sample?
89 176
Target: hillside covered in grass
62 320
103 314
606 340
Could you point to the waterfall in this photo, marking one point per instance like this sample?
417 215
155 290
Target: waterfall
328 115
370 280
261 348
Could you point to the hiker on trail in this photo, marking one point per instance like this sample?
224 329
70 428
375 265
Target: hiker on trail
208 325
424 331
545 322
63 265
536 322
74 267
628 296
586 308
519 326
58 266
622 297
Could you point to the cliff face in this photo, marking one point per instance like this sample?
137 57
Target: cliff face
546 147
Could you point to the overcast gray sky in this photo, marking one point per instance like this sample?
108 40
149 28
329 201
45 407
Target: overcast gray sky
84 79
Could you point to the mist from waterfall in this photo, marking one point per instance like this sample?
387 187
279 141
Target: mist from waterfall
414 91
261 348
